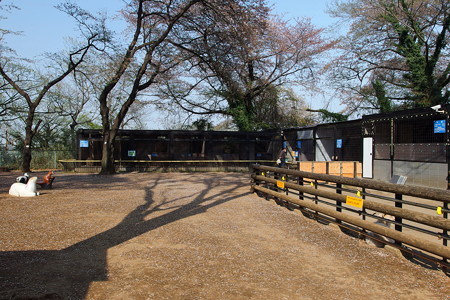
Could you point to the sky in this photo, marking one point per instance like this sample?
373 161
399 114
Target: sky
314 9
44 28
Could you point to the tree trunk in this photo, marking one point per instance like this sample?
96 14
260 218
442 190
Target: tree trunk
29 133
26 158
108 167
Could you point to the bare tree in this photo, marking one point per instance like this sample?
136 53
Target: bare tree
146 58
70 105
35 89
395 55
237 56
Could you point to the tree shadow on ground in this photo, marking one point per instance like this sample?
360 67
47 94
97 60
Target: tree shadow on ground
68 273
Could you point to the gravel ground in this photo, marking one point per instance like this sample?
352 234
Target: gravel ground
186 236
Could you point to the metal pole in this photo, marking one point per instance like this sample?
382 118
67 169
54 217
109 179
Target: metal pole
398 220
445 232
338 203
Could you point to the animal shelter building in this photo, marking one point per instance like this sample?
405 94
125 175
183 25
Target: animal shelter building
411 143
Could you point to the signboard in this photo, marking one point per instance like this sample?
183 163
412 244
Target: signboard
353 201
339 143
280 184
84 144
132 153
439 126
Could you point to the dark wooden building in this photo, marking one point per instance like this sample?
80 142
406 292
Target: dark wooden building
327 142
411 143
181 145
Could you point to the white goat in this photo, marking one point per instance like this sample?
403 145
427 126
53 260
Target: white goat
24 190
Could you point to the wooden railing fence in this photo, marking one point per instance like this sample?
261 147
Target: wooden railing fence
416 218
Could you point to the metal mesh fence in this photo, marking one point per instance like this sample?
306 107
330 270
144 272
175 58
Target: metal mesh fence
413 137
41 159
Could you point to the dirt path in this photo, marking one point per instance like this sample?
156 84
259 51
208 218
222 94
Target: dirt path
187 236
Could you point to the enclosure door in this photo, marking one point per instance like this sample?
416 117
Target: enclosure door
368 157
325 149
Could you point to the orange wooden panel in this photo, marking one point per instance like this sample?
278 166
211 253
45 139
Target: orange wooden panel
320 167
306 166
348 167
334 168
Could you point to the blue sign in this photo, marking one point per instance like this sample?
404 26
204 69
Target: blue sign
439 126
84 144
339 143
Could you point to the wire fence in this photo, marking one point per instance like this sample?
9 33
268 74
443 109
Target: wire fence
417 138
41 159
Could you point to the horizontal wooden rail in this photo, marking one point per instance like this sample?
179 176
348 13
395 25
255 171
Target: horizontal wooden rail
164 165
422 218
414 191
167 161
396 235
282 183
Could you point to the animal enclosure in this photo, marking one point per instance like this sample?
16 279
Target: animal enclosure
166 145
